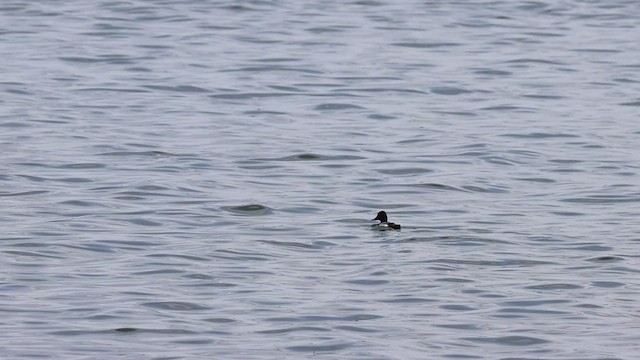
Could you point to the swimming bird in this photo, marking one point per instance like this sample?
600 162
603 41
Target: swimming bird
384 223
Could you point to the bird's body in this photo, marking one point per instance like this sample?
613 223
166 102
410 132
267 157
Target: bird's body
384 224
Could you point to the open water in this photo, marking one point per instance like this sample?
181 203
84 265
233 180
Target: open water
185 179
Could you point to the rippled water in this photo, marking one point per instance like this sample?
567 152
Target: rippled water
194 179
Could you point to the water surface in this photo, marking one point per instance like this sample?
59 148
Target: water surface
194 180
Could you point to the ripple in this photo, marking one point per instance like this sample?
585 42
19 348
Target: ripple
240 255
449 90
532 311
534 61
178 256
293 244
125 329
404 171
493 189
248 210
502 263
356 329
381 117
111 89
539 135
507 108
172 305
437 186
493 72
455 280
537 180
139 153
509 340
315 157
408 300
122 330
144 222
367 282
425 45
455 307
82 166
273 68
330 347
25 193
554 286
336 106
523 303
304 157
603 199
589 247
460 327
607 284
567 213
179 88
544 97
294 329
606 259
320 318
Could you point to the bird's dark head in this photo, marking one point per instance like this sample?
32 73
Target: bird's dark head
382 216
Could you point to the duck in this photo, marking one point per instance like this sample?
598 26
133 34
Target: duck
384 223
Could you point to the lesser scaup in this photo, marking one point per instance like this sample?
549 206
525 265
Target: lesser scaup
384 223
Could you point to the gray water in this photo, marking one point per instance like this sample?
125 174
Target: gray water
186 179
